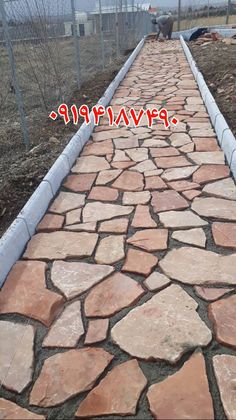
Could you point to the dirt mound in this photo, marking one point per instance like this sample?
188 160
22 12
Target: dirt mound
217 62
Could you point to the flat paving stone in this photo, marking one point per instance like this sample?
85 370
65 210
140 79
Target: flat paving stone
103 194
138 154
67 201
206 145
225 189
96 212
164 328
97 331
80 183
133 198
187 148
10 410
180 264
50 222
155 172
25 293
67 329
110 250
113 294
155 183
179 173
193 237
164 152
180 139
185 394
126 143
104 177
172 162
17 355
120 156
73 217
224 234
207 173
139 262
202 132
61 245
119 225
101 149
216 158
215 208
168 200
211 293
65 375
117 394
156 281
110 134
122 165
75 278
153 142
225 371
146 165
82 227
183 185
150 239
142 218
90 164
129 181
191 194
223 315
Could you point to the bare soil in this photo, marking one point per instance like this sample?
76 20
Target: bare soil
217 62
21 172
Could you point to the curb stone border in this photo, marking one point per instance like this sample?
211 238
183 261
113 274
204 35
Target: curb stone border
225 137
13 242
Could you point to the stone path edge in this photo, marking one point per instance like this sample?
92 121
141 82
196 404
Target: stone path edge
23 227
225 137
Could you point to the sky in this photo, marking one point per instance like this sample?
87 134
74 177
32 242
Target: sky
88 4
61 7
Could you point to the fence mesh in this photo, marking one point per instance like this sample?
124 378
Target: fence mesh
207 13
44 48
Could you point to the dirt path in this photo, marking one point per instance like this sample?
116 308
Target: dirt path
124 302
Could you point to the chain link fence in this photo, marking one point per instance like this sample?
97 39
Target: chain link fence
206 13
48 51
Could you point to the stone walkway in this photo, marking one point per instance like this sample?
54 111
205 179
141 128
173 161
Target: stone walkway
124 302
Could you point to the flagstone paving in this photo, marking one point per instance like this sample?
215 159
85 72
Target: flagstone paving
123 303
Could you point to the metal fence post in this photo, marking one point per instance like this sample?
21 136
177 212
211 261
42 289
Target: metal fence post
179 14
117 31
76 42
101 34
126 24
15 82
228 11
208 12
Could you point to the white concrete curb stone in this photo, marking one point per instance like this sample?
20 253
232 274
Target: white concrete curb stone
11 246
13 242
225 136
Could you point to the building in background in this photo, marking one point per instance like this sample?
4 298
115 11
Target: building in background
85 25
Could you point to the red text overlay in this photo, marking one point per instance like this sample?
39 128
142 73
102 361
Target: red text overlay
129 117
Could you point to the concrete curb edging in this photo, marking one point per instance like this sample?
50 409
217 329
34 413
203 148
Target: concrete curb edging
13 242
225 136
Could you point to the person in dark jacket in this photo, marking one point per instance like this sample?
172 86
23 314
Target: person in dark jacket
165 25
